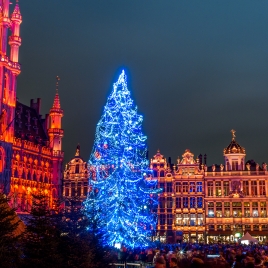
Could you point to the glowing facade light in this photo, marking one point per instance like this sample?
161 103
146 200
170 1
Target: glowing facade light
121 196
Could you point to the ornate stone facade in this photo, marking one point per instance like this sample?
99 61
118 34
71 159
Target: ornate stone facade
75 183
30 147
9 70
214 203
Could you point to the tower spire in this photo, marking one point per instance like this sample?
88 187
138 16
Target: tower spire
56 103
57 84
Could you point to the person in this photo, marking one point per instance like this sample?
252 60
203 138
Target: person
160 263
173 262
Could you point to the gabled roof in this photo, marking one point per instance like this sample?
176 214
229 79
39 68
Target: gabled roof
29 125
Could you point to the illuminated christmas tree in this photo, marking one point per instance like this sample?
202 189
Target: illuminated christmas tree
123 195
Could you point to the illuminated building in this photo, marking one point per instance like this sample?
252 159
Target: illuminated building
9 70
75 182
181 214
30 147
236 197
217 203
37 154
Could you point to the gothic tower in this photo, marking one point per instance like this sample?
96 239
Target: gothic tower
9 70
55 133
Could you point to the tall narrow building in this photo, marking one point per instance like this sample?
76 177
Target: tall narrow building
9 70
55 133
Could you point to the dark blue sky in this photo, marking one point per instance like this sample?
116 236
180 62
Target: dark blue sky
196 69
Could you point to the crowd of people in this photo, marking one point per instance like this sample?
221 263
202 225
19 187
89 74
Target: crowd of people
191 255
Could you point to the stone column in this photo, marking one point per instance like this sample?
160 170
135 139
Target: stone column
249 185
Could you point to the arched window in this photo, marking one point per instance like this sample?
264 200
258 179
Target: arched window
77 168
16 173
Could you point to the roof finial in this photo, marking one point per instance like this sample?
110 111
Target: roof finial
77 153
233 134
57 83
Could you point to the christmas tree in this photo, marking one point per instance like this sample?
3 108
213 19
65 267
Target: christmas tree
122 195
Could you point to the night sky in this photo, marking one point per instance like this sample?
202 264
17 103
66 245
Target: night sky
196 69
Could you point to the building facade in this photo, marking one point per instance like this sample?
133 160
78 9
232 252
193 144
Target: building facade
37 154
217 203
9 70
30 146
75 182
181 215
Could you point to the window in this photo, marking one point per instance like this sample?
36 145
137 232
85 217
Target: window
178 187
85 188
246 209
185 202
218 188
73 189
262 188
185 187
227 227
247 227
162 185
226 209
218 209
169 202
254 188
210 188
67 192
169 187
226 188
192 219
185 219
79 189
162 219
210 209
199 219
255 227
178 202
263 209
192 187
234 165
199 187
264 227
192 202
199 202
211 227
237 209
178 219
246 188
255 212
169 219
162 202
162 173
155 173
77 168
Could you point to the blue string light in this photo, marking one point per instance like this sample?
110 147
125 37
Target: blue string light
123 194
